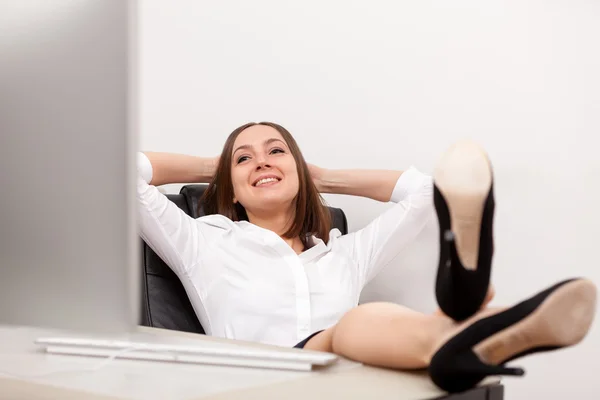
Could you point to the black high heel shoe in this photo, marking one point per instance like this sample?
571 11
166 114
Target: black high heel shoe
464 203
557 317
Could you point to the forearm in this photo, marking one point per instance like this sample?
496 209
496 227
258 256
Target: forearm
375 184
180 168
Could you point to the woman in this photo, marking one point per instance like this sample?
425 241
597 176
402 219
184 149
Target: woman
264 264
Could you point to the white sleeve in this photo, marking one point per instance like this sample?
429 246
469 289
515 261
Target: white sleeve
378 243
174 236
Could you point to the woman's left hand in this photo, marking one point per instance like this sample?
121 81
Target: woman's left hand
316 173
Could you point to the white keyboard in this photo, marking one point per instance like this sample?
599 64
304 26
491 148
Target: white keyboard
200 352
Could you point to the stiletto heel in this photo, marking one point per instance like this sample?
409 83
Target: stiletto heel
557 317
500 370
464 203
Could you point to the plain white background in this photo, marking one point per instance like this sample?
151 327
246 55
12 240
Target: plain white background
389 84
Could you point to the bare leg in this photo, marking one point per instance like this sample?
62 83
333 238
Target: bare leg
389 335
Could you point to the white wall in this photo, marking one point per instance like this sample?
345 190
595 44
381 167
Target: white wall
387 84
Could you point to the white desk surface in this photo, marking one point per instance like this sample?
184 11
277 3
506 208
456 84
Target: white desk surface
24 369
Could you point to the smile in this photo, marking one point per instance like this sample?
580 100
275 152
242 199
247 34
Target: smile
267 182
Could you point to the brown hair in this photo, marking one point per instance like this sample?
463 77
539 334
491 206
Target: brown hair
312 216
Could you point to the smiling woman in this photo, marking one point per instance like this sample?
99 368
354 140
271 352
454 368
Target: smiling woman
263 178
264 265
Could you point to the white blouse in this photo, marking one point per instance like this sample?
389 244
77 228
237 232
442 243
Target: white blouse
247 283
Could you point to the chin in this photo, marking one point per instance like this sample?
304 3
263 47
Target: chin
274 203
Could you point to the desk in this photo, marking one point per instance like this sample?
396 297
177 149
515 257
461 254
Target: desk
22 365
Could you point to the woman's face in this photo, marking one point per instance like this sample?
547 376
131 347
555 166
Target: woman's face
264 172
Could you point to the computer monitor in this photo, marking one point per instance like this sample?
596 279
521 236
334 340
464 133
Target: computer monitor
68 242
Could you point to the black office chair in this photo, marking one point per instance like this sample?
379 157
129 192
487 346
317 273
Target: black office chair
165 303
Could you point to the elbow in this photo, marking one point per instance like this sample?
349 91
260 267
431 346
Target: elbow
144 168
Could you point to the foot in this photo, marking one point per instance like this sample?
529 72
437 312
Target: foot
463 176
557 317
562 320
464 204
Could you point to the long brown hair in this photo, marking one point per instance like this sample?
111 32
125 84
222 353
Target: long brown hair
312 216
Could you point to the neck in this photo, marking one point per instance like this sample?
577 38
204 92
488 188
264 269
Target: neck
278 222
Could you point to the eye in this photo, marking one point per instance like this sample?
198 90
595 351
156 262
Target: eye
242 159
277 150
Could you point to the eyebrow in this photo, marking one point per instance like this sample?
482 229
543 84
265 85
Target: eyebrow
266 142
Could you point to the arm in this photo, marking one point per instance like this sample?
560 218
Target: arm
177 238
377 244
180 168
380 185
374 184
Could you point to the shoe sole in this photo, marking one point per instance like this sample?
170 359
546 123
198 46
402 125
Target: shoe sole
464 177
563 319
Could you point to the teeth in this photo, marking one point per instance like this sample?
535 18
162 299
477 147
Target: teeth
266 180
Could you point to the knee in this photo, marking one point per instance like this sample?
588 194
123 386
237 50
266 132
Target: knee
356 326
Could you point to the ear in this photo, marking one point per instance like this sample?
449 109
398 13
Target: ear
234 200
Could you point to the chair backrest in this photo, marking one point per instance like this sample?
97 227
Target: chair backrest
165 303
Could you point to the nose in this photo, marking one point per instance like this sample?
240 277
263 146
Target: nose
262 162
